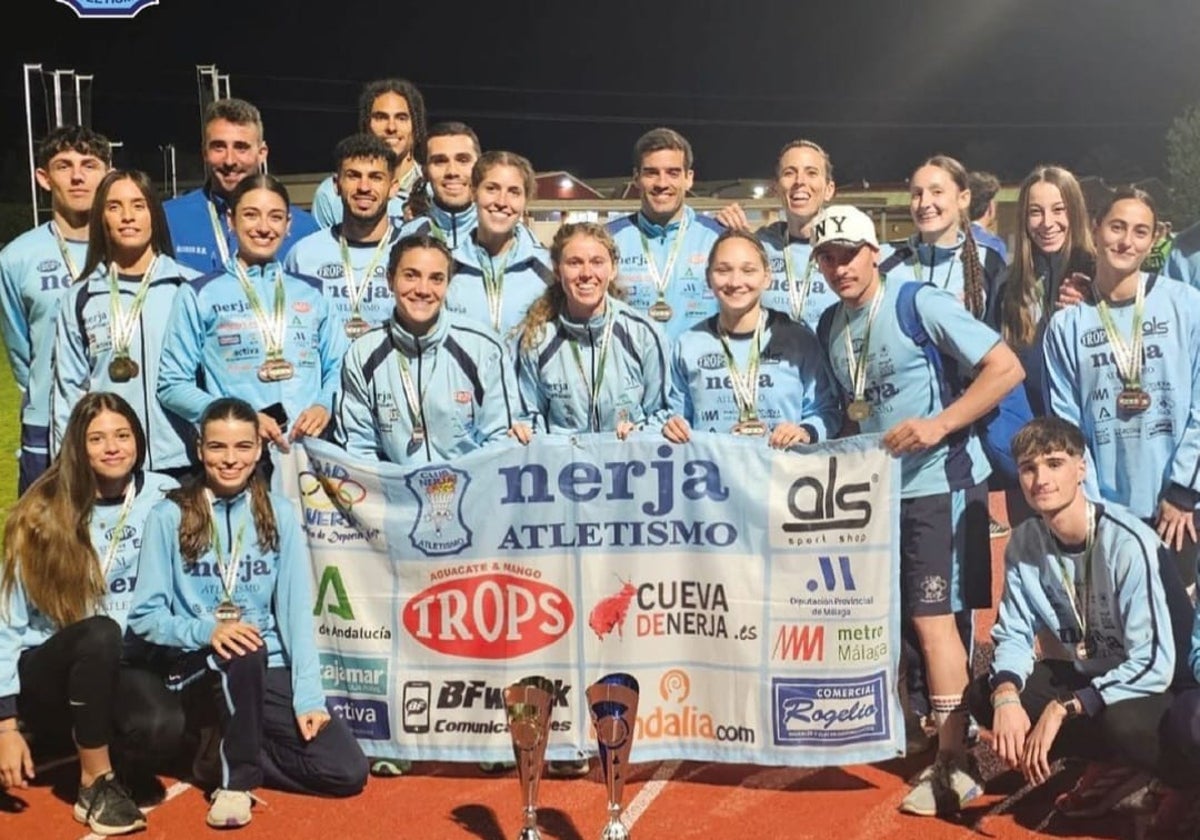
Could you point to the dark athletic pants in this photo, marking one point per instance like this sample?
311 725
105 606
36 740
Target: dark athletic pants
74 686
260 739
1130 732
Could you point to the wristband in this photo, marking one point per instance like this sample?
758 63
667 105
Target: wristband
996 695
1006 701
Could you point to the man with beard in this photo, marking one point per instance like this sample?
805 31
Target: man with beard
349 260
393 110
233 148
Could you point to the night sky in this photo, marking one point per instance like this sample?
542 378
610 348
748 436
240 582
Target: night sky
1002 84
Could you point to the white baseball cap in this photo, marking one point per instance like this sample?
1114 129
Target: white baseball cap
842 224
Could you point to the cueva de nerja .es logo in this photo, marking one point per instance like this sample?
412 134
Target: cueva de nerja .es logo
108 8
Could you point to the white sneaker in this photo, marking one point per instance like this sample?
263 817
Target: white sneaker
230 808
943 788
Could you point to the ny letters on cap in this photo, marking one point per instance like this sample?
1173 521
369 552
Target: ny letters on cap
842 224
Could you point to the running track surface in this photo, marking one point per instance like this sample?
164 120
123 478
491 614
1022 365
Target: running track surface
675 800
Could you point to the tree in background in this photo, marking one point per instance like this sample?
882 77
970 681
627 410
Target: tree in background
1183 166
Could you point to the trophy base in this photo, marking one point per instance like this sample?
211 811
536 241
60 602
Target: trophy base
615 830
529 833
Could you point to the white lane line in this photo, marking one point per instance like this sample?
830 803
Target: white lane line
173 791
649 792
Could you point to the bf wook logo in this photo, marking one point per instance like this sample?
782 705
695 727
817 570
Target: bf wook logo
489 616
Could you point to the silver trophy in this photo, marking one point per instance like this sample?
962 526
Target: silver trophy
527 703
613 701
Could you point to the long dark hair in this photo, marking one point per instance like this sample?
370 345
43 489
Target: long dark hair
98 250
195 526
47 542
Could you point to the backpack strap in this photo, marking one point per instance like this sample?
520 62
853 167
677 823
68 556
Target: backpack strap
911 326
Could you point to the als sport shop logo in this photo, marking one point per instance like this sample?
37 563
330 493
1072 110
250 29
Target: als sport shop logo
438 528
108 8
830 712
820 503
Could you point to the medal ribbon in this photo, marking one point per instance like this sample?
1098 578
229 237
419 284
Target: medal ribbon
797 296
493 281
661 281
121 324
594 388
918 268
1075 598
110 551
1128 357
414 398
354 288
65 251
271 329
745 388
228 569
858 364
218 232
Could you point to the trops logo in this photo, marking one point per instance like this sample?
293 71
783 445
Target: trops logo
501 614
438 528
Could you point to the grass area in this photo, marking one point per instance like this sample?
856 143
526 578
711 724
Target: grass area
10 438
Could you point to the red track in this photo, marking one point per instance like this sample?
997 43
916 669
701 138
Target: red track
665 800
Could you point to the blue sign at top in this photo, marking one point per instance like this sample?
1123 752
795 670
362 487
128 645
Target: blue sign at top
108 8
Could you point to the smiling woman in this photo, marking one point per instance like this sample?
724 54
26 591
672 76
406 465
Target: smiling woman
774 367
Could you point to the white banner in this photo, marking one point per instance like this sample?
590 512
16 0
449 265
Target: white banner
752 593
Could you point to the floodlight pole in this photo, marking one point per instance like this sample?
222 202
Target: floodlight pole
29 138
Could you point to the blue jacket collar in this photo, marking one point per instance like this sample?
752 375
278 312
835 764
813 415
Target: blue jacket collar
450 220
410 344
656 231
525 248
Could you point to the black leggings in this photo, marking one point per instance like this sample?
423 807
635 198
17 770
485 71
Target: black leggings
74 688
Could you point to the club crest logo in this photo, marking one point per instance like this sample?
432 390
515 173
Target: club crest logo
439 528
108 8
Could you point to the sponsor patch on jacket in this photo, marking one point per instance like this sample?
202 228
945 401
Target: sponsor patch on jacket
228 340
462 397
302 306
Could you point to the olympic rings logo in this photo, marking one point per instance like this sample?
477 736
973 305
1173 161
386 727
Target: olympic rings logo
325 493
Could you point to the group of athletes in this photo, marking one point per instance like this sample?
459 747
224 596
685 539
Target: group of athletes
156 593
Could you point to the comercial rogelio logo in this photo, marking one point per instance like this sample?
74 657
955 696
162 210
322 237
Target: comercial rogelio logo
438 528
813 712
108 8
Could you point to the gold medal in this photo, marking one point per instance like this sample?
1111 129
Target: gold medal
661 311
122 369
1081 651
750 428
227 611
356 326
1132 401
276 370
858 410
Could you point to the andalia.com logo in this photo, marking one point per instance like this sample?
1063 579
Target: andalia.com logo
674 717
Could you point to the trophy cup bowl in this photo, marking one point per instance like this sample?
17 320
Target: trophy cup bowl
613 702
527 705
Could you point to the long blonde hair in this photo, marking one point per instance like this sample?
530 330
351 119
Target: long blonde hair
554 300
1020 297
47 539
